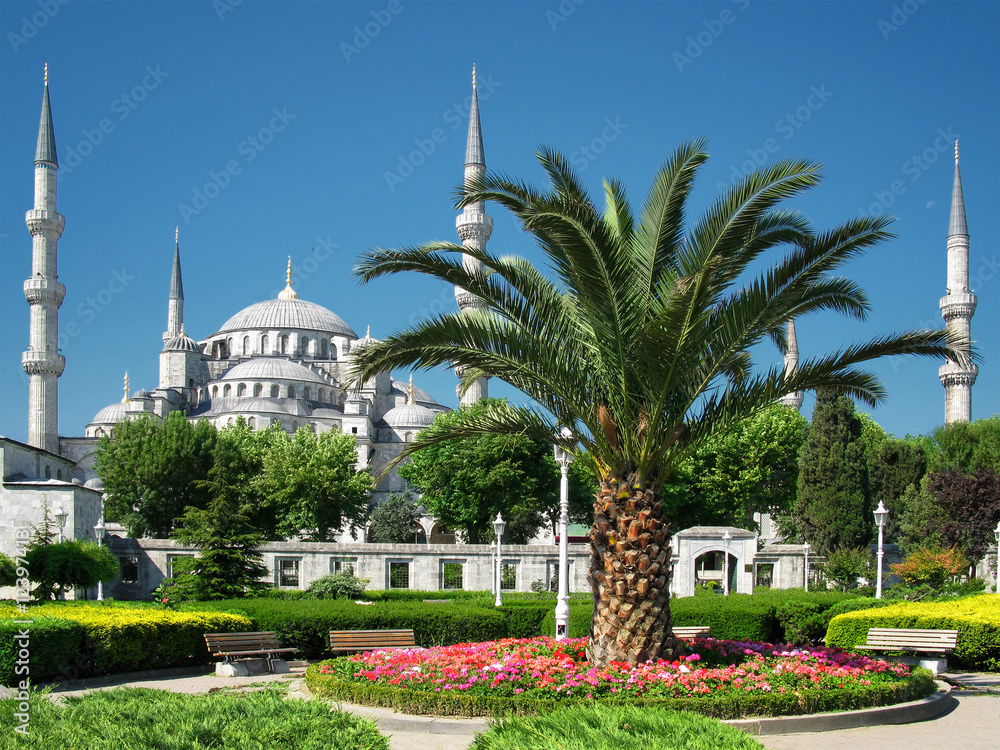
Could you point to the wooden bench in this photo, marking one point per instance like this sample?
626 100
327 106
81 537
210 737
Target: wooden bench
693 632
232 646
355 641
937 643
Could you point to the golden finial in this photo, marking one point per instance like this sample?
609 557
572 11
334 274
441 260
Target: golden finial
473 75
409 398
182 330
46 72
368 333
288 292
125 400
956 149
288 273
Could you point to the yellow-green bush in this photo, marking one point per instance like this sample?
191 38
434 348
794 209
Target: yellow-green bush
977 620
124 639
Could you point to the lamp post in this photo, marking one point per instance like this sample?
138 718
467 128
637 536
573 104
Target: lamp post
996 535
564 458
881 514
726 536
805 550
99 530
61 515
498 526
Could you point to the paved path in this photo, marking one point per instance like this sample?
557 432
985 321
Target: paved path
973 724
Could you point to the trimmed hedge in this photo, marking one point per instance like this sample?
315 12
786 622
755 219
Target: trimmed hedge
53 646
721 706
977 620
127 639
306 624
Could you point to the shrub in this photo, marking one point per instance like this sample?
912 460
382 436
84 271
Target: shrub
614 728
337 586
125 639
70 563
843 567
931 567
143 718
801 622
977 620
53 644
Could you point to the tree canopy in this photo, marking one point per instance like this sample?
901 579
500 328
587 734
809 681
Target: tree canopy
394 519
639 342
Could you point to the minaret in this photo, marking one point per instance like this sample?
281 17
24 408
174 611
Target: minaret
43 362
957 308
474 229
175 306
791 366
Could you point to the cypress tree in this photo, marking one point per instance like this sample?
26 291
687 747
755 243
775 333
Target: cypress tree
834 499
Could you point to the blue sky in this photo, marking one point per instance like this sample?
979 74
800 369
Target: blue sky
342 126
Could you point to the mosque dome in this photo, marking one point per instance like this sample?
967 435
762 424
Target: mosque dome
111 414
182 343
288 314
411 416
365 340
419 395
273 368
141 393
95 484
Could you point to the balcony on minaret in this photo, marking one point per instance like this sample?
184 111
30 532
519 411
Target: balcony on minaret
960 305
39 290
475 223
43 363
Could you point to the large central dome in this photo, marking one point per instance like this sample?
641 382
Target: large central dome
288 314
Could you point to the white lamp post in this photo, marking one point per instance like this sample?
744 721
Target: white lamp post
61 515
564 458
996 535
726 536
805 549
99 530
881 514
498 526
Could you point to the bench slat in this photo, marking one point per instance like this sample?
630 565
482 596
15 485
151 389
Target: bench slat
370 640
693 632
915 640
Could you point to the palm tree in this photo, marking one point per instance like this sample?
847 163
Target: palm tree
639 343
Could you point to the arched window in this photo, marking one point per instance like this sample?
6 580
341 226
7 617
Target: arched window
48 472
291 391
305 393
252 422
215 391
333 351
229 347
190 382
304 345
227 389
324 347
231 422
284 344
246 344
263 344
241 390
274 391
321 396
59 471
258 390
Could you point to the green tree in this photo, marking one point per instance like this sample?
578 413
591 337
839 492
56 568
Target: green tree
872 434
898 464
8 571
751 469
393 520
465 482
640 343
843 567
967 446
834 497
313 484
923 521
151 471
53 567
238 462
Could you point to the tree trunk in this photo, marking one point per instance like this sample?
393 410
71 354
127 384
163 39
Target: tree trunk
630 577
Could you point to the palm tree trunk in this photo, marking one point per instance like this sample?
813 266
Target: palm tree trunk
630 577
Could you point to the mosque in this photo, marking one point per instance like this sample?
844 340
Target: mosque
280 362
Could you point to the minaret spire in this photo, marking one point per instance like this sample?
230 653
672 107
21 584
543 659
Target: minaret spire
42 362
792 365
175 304
474 229
957 307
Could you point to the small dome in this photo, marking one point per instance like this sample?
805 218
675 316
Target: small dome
95 484
409 415
367 339
419 395
288 314
141 393
273 368
111 414
182 343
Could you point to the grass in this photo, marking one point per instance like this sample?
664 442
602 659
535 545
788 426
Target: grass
144 719
613 728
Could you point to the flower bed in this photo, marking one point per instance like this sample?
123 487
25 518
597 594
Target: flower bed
719 678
